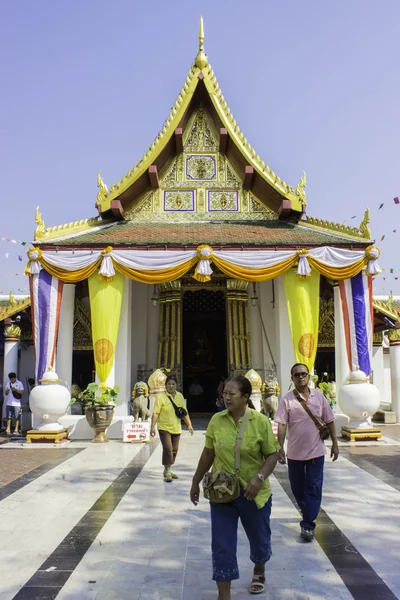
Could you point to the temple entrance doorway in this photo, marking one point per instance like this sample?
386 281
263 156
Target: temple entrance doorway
204 347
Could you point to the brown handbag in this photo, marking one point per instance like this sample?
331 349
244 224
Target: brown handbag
322 428
222 486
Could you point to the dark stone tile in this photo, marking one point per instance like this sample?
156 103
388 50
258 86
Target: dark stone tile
94 518
371 592
37 593
54 578
359 576
64 562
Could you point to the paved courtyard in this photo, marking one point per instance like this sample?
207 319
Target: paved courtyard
98 522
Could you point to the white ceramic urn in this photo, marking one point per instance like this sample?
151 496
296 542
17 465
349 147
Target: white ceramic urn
359 400
49 401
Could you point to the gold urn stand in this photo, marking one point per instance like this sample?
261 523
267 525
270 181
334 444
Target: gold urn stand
37 436
361 435
99 418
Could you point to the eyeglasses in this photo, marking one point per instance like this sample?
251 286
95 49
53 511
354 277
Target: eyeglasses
298 375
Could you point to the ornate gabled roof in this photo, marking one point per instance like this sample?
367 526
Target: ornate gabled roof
11 307
389 308
262 234
202 81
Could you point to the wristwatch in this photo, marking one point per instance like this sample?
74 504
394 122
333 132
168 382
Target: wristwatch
261 477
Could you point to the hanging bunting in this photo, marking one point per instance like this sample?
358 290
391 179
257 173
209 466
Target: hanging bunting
302 298
46 294
356 298
396 200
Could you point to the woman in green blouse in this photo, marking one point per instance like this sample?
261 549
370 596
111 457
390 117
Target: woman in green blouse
258 457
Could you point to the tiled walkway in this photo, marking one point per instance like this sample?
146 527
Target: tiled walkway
104 525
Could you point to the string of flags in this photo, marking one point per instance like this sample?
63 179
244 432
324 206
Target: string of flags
14 241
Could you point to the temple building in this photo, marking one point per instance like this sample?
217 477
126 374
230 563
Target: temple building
202 232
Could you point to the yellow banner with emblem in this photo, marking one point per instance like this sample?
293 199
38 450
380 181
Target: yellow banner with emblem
105 308
302 297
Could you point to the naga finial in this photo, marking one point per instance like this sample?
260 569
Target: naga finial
103 189
201 59
11 298
364 229
40 226
389 302
300 189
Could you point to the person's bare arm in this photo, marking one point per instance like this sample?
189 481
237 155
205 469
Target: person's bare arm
335 447
281 440
205 463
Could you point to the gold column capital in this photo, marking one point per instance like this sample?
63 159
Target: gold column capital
394 337
12 333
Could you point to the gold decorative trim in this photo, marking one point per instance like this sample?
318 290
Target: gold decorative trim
44 234
14 307
12 333
394 337
386 308
330 226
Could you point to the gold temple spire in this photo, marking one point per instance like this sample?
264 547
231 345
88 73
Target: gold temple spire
201 59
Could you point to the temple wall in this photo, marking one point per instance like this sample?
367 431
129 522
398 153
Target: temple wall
387 383
269 311
139 309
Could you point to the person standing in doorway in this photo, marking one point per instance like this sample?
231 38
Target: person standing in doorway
169 425
306 449
13 394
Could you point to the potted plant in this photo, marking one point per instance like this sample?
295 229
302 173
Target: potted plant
99 404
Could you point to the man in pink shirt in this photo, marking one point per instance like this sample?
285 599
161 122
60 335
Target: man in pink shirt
306 450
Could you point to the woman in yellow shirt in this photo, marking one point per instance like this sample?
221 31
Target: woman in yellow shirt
169 425
258 457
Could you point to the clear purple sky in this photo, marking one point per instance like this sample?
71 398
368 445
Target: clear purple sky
86 85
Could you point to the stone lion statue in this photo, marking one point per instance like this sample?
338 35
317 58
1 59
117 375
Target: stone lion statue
270 400
139 401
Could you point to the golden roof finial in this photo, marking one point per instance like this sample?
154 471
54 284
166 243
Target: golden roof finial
201 59
364 226
11 298
300 189
103 189
40 230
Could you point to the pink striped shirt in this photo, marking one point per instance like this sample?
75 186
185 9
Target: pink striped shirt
304 441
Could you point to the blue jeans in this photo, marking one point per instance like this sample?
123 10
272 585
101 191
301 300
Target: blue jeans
224 526
306 478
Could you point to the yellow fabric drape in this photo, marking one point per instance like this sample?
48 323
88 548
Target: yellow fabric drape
71 276
156 277
172 273
302 297
105 309
254 274
337 272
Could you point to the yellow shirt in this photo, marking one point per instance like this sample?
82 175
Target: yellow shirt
258 441
167 419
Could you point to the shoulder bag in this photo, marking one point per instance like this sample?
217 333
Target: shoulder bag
222 486
322 428
180 412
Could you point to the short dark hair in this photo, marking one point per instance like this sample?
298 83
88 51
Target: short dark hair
171 378
12 376
299 365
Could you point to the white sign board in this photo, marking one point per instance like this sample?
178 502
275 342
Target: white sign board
136 432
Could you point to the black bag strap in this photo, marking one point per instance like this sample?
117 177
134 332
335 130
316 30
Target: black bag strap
240 438
173 403
308 411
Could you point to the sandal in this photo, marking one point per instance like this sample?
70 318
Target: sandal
257 584
174 475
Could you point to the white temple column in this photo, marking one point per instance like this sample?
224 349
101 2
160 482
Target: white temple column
378 370
11 342
153 326
255 328
285 358
342 370
394 337
122 363
65 337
